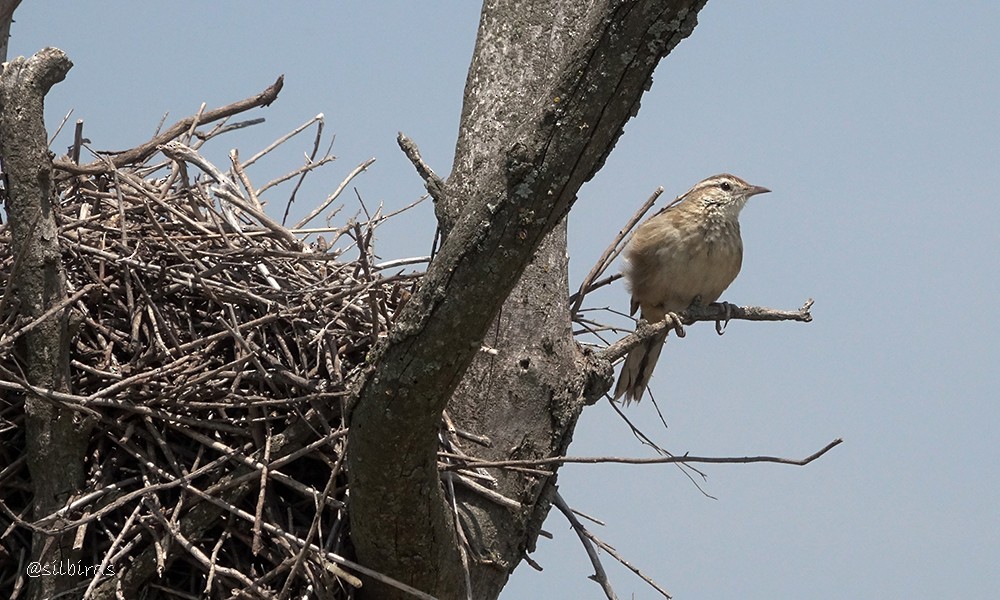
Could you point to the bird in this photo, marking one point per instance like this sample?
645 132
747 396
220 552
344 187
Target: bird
687 253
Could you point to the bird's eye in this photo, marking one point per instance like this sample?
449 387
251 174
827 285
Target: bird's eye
726 186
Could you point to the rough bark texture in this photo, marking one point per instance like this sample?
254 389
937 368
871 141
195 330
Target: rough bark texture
56 437
550 88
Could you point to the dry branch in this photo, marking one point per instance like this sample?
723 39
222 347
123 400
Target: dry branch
720 312
658 460
600 576
610 253
141 153
433 183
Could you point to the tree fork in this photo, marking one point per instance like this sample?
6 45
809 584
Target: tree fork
550 88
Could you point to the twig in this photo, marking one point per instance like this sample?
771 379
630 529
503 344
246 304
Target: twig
593 520
686 468
340 188
62 124
179 151
309 160
283 139
186 138
593 286
142 152
599 575
401 262
299 172
562 460
614 554
241 175
221 129
467 462
489 494
611 252
462 540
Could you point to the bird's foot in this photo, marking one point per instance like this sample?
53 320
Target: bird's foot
674 322
727 309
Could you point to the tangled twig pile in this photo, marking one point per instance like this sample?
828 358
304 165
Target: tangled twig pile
211 347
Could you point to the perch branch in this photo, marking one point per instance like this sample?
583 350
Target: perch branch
715 312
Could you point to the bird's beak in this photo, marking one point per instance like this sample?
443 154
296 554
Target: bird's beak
756 189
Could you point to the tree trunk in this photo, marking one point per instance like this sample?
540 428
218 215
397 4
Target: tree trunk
57 436
550 88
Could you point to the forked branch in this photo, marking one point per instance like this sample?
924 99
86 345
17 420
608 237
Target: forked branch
600 576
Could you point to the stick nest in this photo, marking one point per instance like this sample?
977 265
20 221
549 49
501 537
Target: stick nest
211 351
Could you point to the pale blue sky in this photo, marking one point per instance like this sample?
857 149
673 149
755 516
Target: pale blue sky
876 125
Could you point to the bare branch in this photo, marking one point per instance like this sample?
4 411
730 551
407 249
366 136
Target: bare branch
316 119
715 312
434 184
144 151
614 554
610 253
657 460
340 188
600 576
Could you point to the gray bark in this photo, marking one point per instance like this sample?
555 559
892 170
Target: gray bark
56 436
550 88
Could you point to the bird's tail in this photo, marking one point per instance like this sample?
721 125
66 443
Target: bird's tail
638 368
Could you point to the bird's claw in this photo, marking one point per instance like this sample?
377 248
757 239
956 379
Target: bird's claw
675 324
721 324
